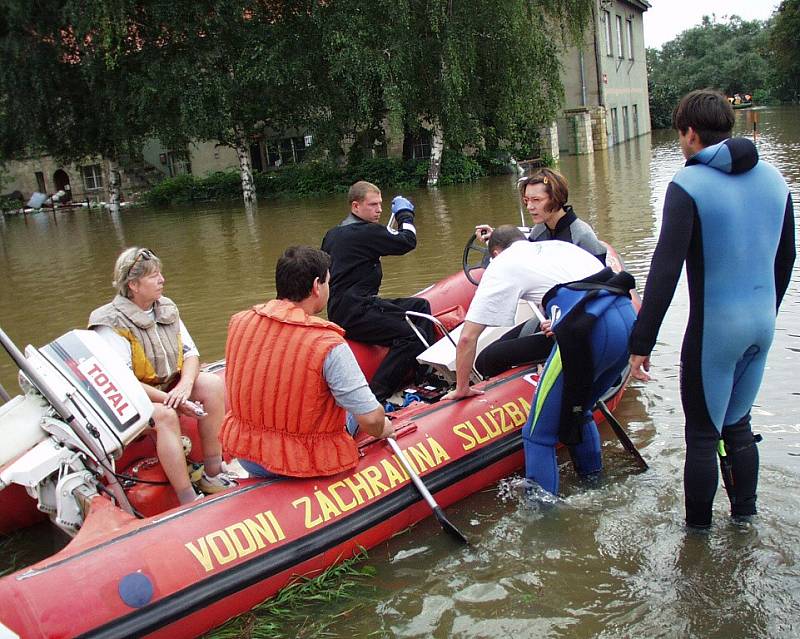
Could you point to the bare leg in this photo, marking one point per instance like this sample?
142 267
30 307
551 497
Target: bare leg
170 452
210 392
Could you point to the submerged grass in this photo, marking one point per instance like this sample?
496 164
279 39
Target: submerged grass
13 553
294 611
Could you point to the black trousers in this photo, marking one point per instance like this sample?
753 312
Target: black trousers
383 322
513 350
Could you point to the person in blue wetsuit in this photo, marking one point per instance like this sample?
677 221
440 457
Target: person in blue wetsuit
596 316
592 321
730 217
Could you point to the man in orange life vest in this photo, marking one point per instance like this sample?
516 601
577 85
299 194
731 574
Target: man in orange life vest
290 376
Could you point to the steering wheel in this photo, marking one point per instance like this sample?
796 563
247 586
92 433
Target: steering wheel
474 251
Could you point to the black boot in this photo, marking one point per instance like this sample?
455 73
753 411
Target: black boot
742 463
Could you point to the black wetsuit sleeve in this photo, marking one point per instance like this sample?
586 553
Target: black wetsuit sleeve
665 269
383 242
784 258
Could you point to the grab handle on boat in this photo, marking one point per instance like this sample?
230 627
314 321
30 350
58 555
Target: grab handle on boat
426 494
436 321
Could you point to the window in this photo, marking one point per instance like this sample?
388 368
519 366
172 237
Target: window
40 182
286 150
636 120
421 147
614 127
625 130
620 44
629 25
92 177
607 20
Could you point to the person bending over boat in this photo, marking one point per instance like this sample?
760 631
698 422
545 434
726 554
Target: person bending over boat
536 269
356 246
730 217
545 195
592 324
290 376
145 329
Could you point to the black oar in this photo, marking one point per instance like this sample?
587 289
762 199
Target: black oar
619 431
448 527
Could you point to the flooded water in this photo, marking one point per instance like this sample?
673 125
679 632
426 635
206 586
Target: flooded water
608 561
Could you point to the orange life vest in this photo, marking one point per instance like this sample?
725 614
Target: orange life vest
281 412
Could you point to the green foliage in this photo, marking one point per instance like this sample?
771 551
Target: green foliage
731 56
92 77
458 168
9 204
784 40
57 93
462 67
314 178
297 605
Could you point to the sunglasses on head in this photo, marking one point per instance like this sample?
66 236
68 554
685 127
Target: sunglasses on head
144 255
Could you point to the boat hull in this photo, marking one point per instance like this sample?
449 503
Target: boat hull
207 562
183 571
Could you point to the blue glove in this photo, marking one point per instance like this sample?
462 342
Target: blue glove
402 209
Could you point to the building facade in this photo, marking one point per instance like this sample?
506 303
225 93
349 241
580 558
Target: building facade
605 82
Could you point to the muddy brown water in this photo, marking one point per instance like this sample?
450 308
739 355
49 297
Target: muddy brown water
606 561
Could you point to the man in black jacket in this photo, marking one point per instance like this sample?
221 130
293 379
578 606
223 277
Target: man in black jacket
356 246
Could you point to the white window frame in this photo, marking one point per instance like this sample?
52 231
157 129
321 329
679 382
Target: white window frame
620 42
609 45
629 27
92 175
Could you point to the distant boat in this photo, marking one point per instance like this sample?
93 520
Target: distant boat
743 105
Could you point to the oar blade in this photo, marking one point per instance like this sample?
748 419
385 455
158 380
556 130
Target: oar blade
449 528
619 431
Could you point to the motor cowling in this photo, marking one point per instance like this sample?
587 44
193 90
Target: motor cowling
58 453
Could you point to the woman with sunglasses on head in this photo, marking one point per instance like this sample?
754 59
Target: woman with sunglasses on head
144 327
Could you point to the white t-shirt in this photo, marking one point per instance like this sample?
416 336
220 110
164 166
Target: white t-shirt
526 270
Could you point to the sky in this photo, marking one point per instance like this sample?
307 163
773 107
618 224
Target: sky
668 18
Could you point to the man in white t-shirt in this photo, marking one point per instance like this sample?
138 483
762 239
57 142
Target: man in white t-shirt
518 270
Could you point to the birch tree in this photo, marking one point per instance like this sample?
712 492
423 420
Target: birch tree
487 73
217 70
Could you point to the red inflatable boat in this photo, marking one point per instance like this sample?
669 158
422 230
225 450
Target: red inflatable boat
139 565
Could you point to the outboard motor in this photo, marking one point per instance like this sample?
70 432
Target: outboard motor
81 406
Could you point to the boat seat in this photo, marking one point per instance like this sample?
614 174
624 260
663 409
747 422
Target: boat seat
442 354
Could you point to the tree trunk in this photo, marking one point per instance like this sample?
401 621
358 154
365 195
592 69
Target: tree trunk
113 186
246 168
437 146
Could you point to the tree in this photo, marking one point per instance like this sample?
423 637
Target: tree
483 74
216 70
730 56
784 40
58 94
88 77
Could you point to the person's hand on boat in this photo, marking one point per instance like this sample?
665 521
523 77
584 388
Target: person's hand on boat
483 232
388 429
461 393
640 365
